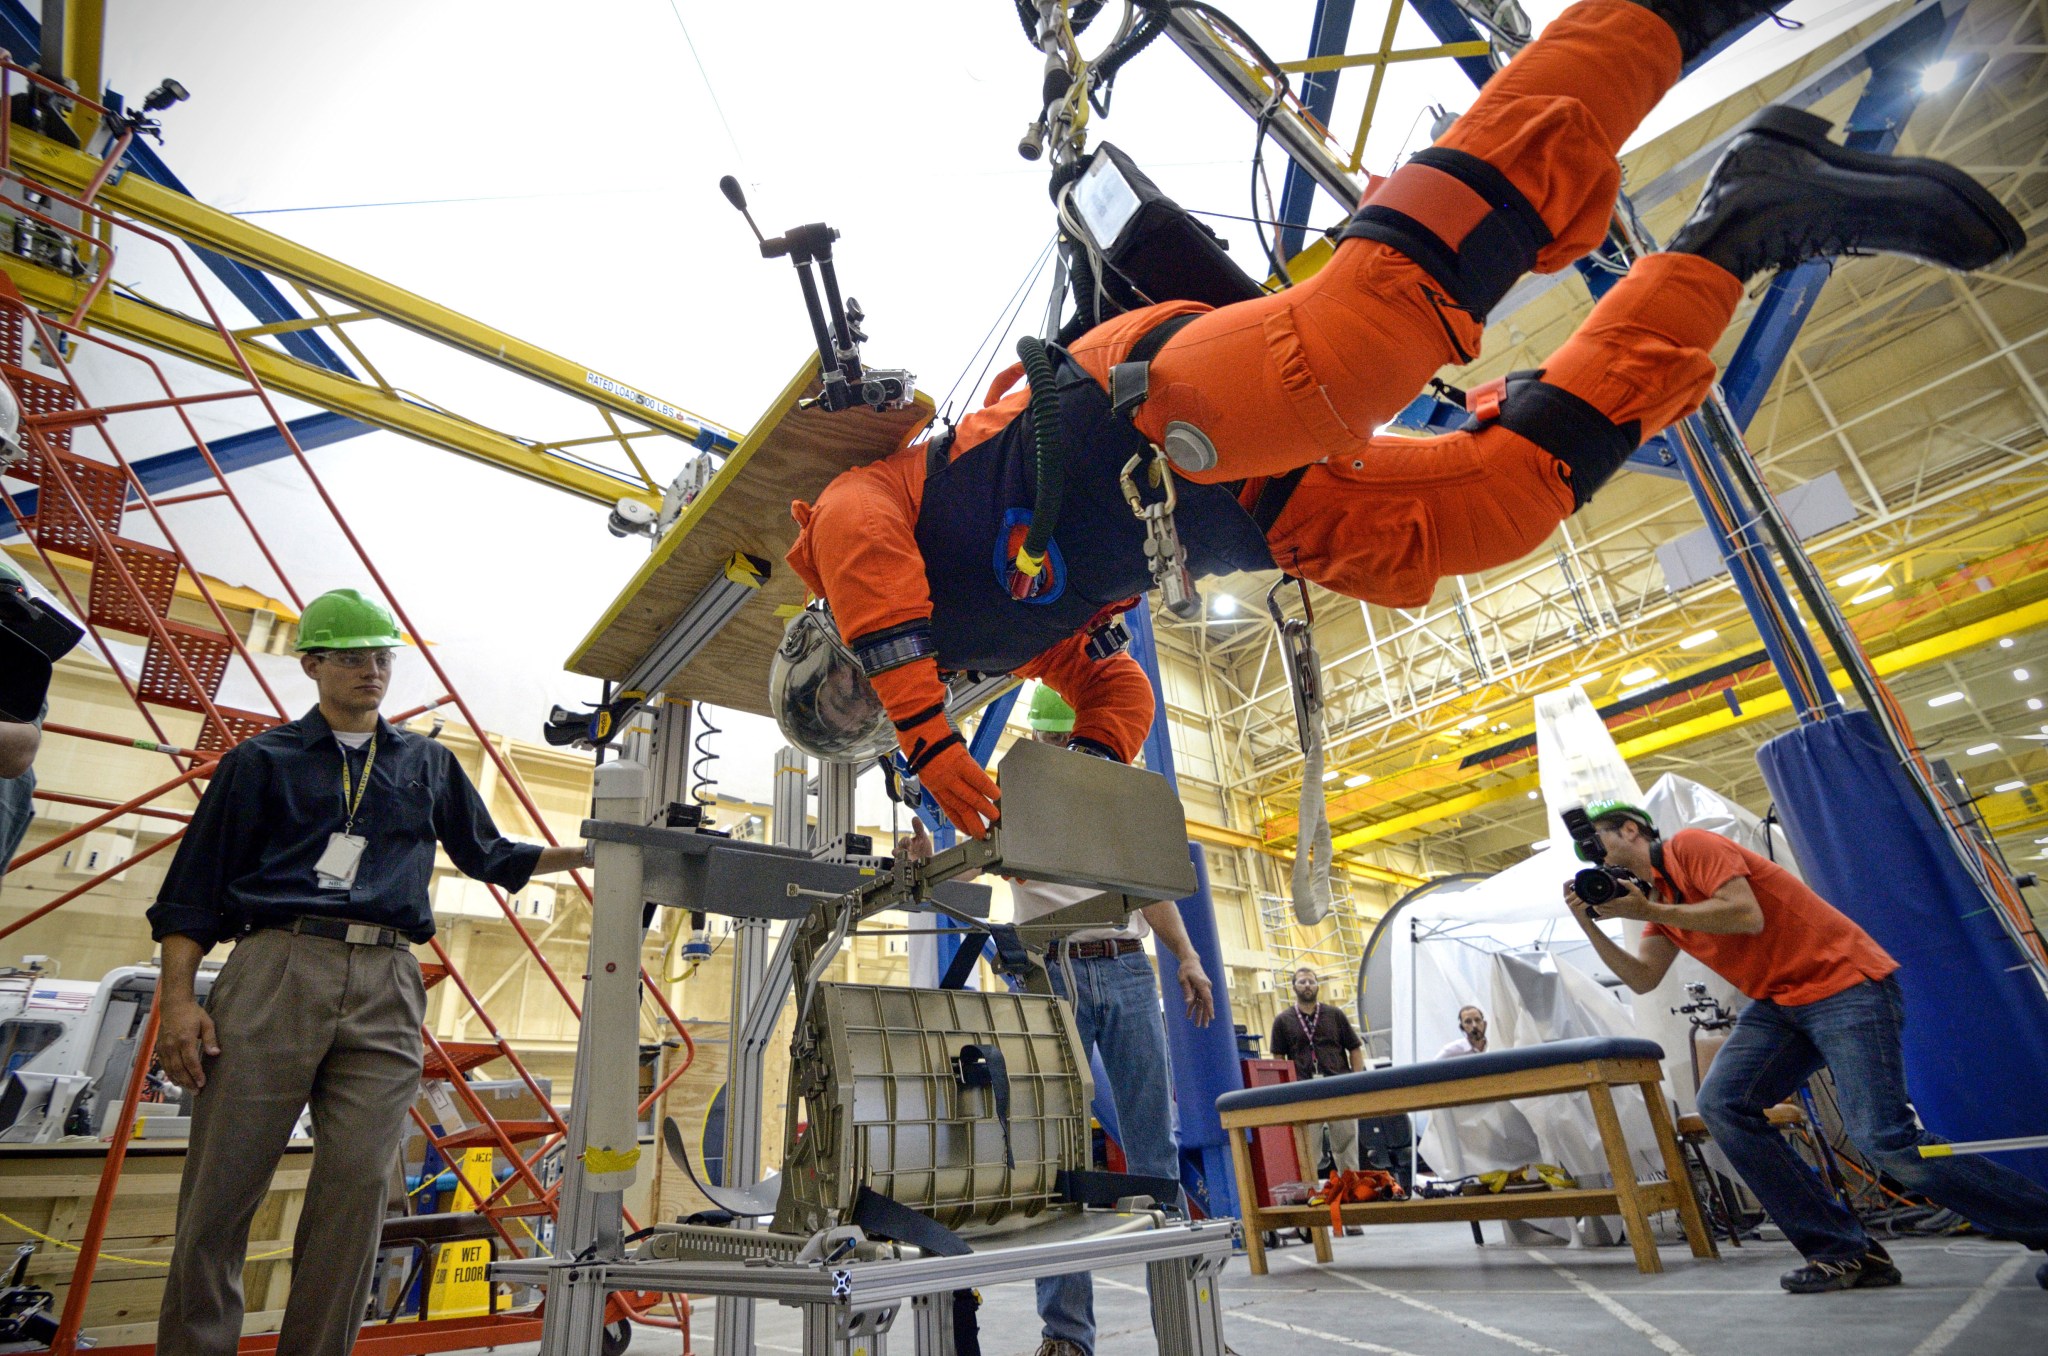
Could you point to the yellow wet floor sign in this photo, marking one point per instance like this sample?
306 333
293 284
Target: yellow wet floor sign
461 1288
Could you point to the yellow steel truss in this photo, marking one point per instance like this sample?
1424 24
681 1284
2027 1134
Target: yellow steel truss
369 298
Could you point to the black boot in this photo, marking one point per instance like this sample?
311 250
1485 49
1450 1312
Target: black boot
1700 24
1783 193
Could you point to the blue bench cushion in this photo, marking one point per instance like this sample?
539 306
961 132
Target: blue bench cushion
1451 1070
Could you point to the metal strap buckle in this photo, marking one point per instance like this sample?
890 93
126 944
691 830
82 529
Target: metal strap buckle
364 934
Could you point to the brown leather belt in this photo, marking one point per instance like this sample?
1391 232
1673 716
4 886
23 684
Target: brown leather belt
1107 949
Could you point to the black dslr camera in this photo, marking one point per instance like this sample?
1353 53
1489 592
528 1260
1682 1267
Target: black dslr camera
33 637
1598 883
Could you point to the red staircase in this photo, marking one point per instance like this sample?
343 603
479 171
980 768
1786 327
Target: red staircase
87 493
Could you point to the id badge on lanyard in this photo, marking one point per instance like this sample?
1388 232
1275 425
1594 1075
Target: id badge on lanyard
343 856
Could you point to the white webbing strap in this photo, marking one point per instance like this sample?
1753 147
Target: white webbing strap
1311 881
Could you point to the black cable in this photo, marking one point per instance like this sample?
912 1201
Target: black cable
1282 88
701 791
1267 230
1045 428
1102 75
1005 317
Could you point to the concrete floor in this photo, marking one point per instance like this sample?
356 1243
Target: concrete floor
1425 1290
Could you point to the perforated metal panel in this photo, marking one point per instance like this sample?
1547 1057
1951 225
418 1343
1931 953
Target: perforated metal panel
241 725
206 653
39 396
114 606
12 338
101 488
874 1070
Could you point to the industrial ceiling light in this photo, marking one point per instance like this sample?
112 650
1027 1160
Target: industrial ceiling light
2019 675
1939 75
1539 845
1641 675
1945 699
1533 795
1588 677
1697 639
1872 595
1862 576
1223 605
1976 749
2005 642
2010 786
1357 779
1331 775
2033 703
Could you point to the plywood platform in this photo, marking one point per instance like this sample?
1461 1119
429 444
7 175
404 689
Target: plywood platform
790 454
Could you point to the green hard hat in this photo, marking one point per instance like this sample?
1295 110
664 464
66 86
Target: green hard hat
1619 809
1050 712
342 619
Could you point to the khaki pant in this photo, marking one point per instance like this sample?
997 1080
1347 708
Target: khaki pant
1343 1143
301 1020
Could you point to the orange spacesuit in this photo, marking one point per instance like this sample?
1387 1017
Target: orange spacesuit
1281 395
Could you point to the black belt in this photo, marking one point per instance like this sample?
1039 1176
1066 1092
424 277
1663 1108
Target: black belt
341 930
1107 949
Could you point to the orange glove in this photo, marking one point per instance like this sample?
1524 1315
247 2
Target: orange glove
916 701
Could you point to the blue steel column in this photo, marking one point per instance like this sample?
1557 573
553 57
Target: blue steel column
1328 33
1203 1059
1736 549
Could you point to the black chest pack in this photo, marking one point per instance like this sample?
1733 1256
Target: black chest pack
979 507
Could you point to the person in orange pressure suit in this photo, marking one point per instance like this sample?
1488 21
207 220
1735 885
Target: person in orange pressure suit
1266 407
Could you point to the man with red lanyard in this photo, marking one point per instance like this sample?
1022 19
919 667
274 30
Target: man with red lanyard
1824 997
1322 1044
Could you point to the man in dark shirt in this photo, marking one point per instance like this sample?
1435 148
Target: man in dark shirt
1321 1043
312 851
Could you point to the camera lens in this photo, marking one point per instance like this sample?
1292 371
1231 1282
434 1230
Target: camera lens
1595 886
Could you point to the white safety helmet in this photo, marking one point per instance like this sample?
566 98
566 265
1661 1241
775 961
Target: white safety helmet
821 697
11 449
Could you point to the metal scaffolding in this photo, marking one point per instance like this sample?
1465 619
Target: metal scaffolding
89 496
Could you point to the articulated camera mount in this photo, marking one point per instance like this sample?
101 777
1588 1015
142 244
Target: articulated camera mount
839 336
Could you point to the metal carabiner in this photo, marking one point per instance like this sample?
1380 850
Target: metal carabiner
1165 558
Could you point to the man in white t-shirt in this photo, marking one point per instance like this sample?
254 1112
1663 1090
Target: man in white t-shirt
1105 974
1472 1022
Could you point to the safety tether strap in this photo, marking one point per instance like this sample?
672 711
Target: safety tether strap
1130 380
880 1217
1310 882
972 944
983 1066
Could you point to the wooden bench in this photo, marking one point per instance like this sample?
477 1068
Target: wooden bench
1594 1067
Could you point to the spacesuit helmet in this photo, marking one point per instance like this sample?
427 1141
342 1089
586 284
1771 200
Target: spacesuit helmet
821 697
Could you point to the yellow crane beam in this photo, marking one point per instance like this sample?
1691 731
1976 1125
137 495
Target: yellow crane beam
1773 702
145 324
190 220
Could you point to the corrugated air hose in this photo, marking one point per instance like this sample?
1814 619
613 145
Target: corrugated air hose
1051 465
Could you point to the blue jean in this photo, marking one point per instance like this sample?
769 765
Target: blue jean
1116 1011
1855 1033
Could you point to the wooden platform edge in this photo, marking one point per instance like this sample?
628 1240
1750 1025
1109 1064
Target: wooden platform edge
792 391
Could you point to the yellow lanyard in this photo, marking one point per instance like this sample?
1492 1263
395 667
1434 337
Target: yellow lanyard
352 795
